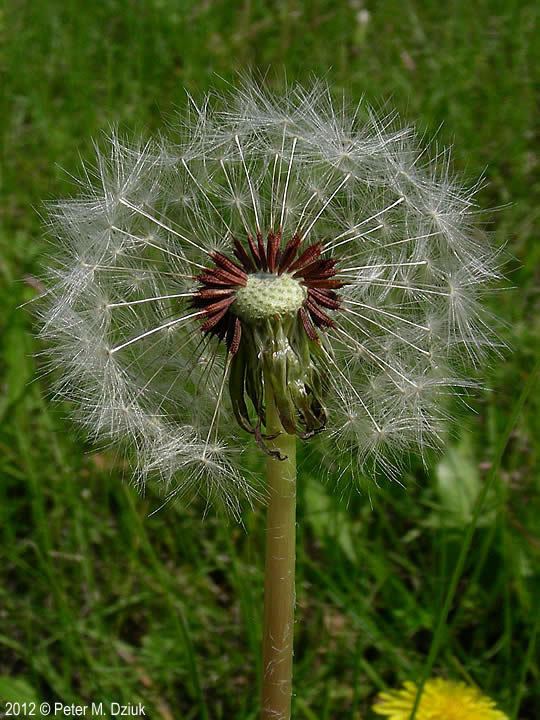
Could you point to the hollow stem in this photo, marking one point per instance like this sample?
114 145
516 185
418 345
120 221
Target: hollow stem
279 595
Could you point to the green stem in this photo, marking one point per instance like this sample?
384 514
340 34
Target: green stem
279 596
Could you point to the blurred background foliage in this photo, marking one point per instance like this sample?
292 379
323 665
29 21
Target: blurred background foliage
100 602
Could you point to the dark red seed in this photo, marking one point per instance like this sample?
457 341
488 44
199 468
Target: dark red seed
210 293
272 249
318 268
312 252
321 275
234 336
320 315
254 251
210 278
224 277
213 321
309 327
321 297
223 261
326 283
262 253
213 307
289 252
242 256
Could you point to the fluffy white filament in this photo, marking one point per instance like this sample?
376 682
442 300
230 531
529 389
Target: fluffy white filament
128 345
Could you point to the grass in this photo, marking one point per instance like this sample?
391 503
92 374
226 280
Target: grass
100 602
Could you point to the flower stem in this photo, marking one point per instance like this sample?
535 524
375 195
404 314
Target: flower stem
279 596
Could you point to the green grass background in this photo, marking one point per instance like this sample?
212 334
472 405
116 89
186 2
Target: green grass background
100 602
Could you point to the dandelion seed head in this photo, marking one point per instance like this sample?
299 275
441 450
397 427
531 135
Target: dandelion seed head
293 241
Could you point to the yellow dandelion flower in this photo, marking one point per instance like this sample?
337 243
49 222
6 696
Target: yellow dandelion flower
441 700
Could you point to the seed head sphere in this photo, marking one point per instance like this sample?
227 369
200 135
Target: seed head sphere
288 243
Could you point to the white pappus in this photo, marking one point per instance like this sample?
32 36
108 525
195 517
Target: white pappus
290 240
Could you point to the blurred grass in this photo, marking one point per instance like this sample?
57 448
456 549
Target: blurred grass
100 602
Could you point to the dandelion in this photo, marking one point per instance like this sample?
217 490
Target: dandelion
441 700
284 267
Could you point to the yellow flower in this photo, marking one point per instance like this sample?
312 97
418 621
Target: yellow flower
441 700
